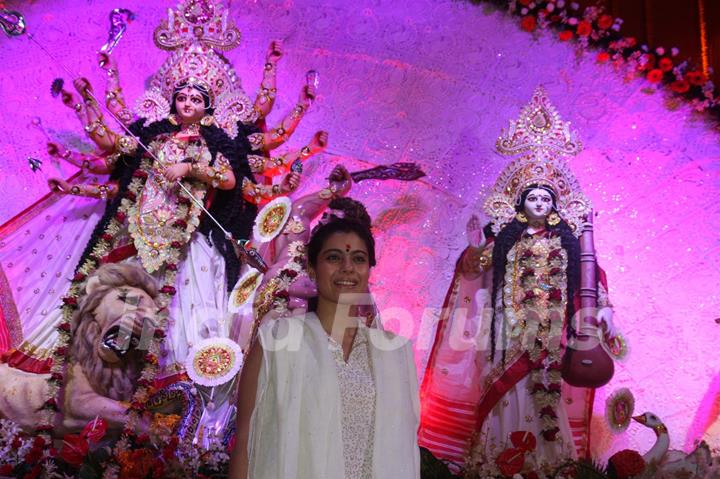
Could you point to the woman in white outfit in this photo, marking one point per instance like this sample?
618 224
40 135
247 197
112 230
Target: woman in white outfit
325 396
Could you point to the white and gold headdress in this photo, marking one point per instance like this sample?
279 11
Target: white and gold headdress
543 140
196 32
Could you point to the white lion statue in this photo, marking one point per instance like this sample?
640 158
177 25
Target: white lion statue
111 329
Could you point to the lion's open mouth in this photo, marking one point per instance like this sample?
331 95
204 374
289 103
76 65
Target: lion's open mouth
120 340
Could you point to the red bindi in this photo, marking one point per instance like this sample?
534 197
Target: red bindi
347 248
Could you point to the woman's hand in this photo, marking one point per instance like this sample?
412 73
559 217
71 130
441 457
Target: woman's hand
58 185
290 182
177 171
475 235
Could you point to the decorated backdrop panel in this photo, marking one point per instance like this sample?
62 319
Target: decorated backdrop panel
434 81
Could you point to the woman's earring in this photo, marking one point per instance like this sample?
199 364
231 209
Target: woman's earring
207 120
172 118
521 217
553 219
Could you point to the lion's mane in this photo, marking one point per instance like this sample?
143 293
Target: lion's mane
116 381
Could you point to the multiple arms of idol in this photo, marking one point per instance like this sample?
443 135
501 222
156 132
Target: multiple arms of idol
111 144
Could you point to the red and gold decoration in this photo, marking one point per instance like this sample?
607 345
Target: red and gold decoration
619 409
214 361
271 220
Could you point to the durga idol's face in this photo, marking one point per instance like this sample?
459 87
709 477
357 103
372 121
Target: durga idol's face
538 204
190 105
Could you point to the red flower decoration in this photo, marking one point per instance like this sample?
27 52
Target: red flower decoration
510 461
555 295
106 237
33 455
555 271
539 387
79 277
528 23
70 301
61 351
554 388
167 289
176 244
527 254
549 412
51 404
130 195
524 3
94 430
171 267
180 224
523 440
627 463
184 200
554 254
655 75
56 377
665 64
120 216
695 78
74 449
159 333
527 272
528 295
680 86
140 174
602 57
550 435
44 428
291 273
584 29
605 22
565 36
64 326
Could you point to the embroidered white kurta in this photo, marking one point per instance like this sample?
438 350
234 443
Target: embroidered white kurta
297 426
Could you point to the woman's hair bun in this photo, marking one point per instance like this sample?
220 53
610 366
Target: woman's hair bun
352 210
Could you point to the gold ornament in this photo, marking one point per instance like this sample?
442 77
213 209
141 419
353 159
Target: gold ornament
543 139
173 119
553 219
207 120
521 217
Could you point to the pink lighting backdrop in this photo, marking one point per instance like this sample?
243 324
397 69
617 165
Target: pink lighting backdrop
434 81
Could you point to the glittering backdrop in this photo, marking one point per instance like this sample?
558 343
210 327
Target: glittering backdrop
434 81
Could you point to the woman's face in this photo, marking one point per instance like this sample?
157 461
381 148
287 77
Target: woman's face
343 268
538 204
190 105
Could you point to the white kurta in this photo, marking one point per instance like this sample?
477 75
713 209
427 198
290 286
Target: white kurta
297 426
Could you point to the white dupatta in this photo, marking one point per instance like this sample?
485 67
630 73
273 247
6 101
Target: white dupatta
296 425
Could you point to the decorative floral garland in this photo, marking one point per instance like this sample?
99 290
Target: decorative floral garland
275 294
594 28
185 208
536 287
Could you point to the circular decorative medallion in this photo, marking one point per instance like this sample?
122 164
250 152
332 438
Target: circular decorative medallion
271 219
616 347
619 409
214 361
244 290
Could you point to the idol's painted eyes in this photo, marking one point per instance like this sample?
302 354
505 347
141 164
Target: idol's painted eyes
544 199
194 99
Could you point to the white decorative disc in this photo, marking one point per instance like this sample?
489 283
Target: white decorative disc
214 361
244 290
271 219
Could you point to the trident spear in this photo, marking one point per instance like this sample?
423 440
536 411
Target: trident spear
13 24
